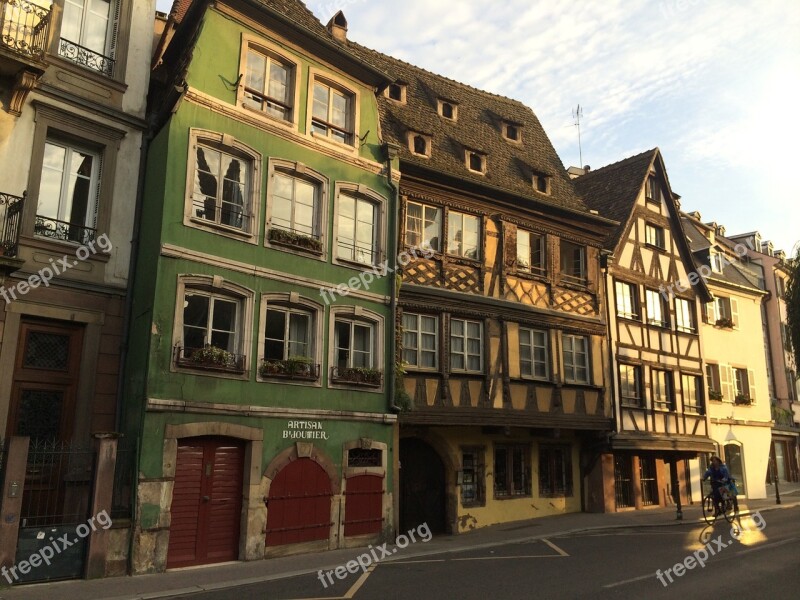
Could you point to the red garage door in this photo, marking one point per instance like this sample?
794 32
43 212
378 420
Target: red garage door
299 504
206 502
363 513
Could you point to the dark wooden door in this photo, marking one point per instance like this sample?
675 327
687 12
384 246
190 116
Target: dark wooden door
206 502
422 486
299 504
363 507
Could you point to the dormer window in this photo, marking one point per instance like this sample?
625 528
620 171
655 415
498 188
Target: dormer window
652 191
476 162
448 110
419 143
541 183
397 92
512 132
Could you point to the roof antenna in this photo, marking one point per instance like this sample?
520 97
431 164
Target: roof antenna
577 114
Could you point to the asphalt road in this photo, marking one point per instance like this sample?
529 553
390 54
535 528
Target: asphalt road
763 563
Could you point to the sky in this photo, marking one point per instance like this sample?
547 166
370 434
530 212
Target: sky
715 85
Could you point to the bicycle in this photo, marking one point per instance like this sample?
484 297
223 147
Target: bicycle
729 504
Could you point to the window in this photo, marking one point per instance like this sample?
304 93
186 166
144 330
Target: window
448 110
780 287
627 303
654 236
743 386
365 458
512 132
472 477
423 226
723 312
476 162
652 190
466 345
716 262
512 470
692 394
357 230
713 382
630 385
573 263
86 36
656 309
530 252
332 113
576 358
354 343
541 183
684 315
220 188
269 85
533 353
288 334
295 205
397 92
662 390
555 471
463 235
420 348
420 145
68 193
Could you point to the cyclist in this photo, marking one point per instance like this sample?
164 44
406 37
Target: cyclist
719 475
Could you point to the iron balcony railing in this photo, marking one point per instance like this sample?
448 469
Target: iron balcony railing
63 230
23 27
86 57
10 215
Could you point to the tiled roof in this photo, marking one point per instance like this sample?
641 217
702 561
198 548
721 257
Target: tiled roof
480 116
179 9
612 190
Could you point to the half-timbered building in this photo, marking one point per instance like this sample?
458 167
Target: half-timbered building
502 326
656 363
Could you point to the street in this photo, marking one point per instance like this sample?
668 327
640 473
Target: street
609 564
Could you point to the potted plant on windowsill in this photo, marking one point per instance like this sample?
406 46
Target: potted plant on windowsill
359 376
714 395
300 367
212 356
724 323
296 240
743 399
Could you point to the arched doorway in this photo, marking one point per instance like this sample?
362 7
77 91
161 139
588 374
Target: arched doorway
299 504
422 486
206 510
734 459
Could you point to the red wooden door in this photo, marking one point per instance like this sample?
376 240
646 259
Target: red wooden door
206 502
363 513
299 504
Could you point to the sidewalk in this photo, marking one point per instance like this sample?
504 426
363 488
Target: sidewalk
185 581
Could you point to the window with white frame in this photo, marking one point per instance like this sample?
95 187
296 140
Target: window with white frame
332 113
654 236
692 388
220 192
354 343
530 252
420 333
357 229
576 358
533 353
573 263
661 387
716 262
656 309
630 385
463 235
288 334
713 382
269 84
466 345
742 386
87 33
627 302
211 327
423 226
684 315
295 205
68 192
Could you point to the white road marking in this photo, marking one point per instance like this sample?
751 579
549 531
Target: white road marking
554 547
618 583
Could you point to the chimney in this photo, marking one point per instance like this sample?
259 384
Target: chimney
337 27
575 172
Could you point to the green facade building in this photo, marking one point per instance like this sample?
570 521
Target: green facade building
256 376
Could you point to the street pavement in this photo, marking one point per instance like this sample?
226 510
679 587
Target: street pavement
568 556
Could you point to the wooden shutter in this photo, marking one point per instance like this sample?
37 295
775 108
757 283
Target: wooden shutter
735 312
114 33
710 312
725 383
751 381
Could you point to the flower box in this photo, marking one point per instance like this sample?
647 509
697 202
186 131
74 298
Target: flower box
357 376
297 367
295 240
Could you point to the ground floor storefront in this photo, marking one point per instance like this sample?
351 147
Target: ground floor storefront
457 479
216 488
745 450
784 456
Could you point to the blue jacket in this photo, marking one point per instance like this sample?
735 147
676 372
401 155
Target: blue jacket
718 476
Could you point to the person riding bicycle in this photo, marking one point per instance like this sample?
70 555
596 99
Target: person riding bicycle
718 473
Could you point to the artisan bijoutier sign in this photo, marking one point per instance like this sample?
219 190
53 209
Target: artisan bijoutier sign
304 430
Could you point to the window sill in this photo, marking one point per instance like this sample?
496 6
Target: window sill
686 330
468 260
532 275
461 372
88 73
573 284
210 227
60 248
289 124
305 246
659 324
633 318
556 495
340 146
353 264
513 497
637 405
656 248
352 377
531 378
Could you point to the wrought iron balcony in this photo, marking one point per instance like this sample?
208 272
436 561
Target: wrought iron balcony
24 27
10 215
86 57
63 231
